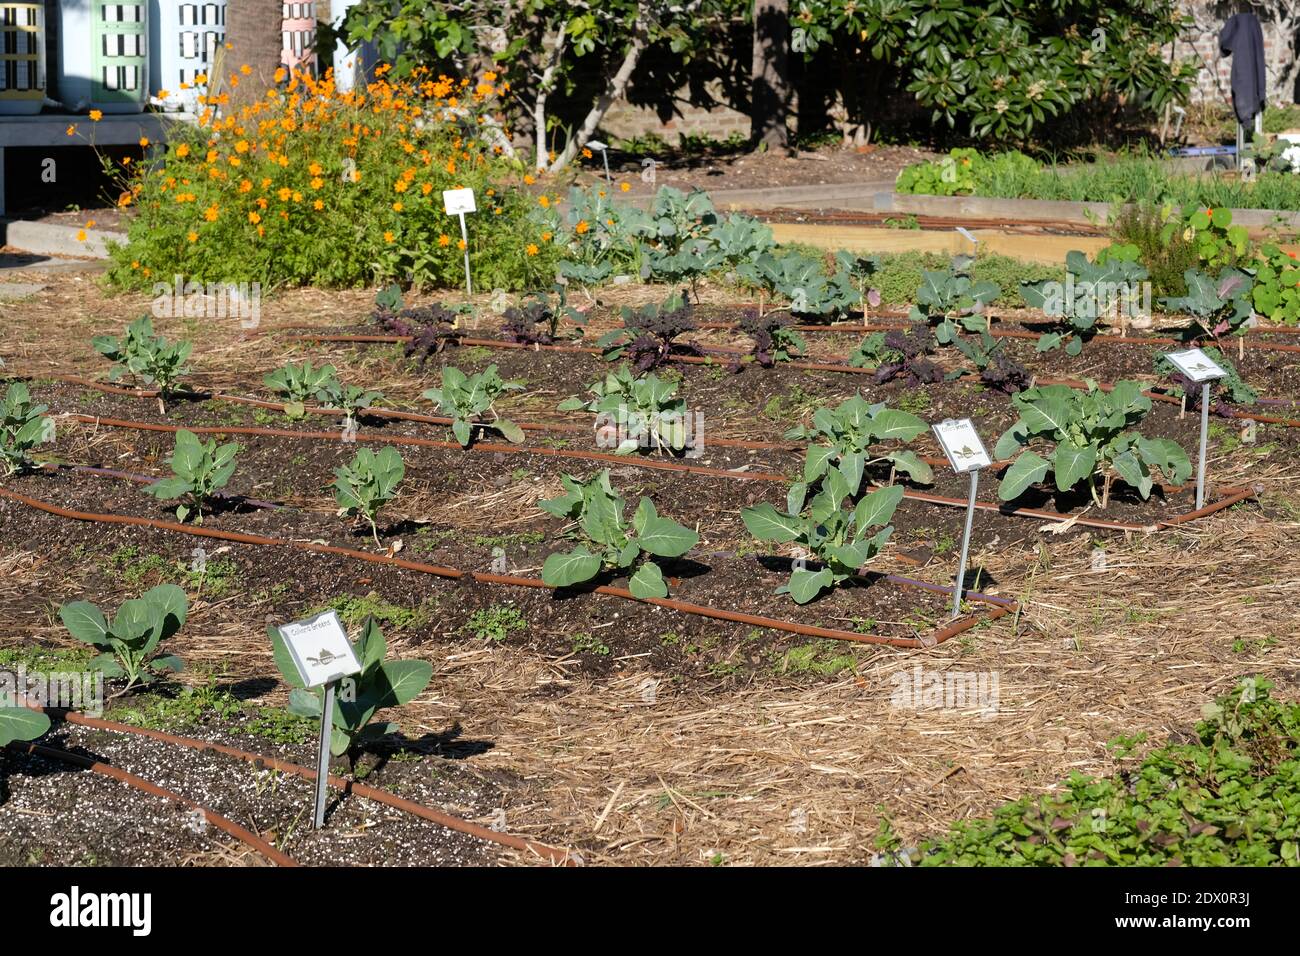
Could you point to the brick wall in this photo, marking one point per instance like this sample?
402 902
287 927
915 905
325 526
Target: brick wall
1213 83
625 121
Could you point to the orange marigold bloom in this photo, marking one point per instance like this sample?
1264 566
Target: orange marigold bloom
460 244
531 249
317 205
400 186
546 236
192 236
245 186
183 150
581 227
625 186
284 193
254 218
388 237
315 169
211 213
543 201
444 240
96 116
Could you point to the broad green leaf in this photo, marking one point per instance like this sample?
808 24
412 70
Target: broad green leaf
21 723
648 582
765 523
85 622
1024 471
402 681
878 507
804 585
573 567
666 538
1072 463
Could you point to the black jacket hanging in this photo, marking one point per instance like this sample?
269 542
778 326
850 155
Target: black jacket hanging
1242 39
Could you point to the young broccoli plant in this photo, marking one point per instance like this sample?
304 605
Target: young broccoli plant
609 542
367 484
23 426
1217 306
899 354
775 339
352 400
840 541
537 322
635 412
803 282
298 384
1228 391
129 644
380 685
860 269
145 357
841 440
950 298
1091 291
465 397
199 470
997 371
1090 435
648 337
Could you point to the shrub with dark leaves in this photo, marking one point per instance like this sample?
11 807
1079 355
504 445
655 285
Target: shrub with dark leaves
775 339
907 357
997 371
647 338
431 327
537 321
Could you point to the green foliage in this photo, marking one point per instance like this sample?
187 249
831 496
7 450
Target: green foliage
20 723
368 483
609 542
900 273
1230 797
1218 243
649 334
145 357
954 175
199 469
495 623
465 397
129 643
1217 306
1231 387
1091 290
803 282
841 439
23 426
1090 437
297 384
644 410
837 539
380 684
1276 293
952 294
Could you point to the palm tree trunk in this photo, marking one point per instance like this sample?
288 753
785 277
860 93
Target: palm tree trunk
770 75
253 33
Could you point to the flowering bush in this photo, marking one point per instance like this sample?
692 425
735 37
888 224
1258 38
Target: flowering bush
312 186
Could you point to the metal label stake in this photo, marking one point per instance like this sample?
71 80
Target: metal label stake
457 202
322 655
966 453
1199 367
604 154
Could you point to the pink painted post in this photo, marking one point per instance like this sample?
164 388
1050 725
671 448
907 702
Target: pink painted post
298 27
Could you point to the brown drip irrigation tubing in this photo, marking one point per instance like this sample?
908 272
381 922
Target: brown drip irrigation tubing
626 461
139 783
554 854
791 627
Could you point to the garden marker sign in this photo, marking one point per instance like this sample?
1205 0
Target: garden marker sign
603 149
1199 367
457 202
322 655
966 453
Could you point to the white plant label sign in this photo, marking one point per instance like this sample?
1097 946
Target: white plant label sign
320 649
1196 365
458 201
961 443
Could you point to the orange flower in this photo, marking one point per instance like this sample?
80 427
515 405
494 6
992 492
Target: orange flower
586 153
315 169
444 240
460 244
284 193
400 186
246 69
388 237
96 116
546 236
245 186
241 146
397 207
211 213
280 74
543 201
144 140
254 218
72 129
531 249
581 227
528 179
183 150
81 235
192 236
318 205
625 186
317 182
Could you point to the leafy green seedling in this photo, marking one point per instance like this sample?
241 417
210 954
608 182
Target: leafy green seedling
350 399
842 438
129 644
643 410
23 426
609 541
199 470
367 484
297 384
950 294
145 357
466 397
380 684
1091 290
837 539
1091 437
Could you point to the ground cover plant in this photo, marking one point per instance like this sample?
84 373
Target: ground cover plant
380 685
199 470
1090 436
803 282
1276 292
1228 391
1226 797
536 321
1218 304
899 353
130 642
300 383
611 543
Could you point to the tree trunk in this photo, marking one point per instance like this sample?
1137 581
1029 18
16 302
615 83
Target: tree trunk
769 76
253 32
613 93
